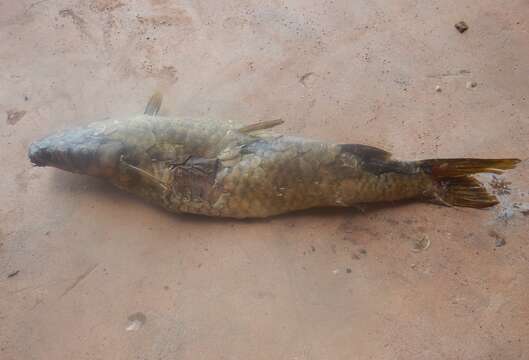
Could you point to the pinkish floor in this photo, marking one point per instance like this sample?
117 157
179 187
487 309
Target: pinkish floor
102 275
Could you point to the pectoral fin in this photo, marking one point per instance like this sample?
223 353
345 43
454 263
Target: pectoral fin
154 104
144 174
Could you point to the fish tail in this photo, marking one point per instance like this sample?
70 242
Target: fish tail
454 185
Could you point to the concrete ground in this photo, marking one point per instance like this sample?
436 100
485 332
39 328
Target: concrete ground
87 272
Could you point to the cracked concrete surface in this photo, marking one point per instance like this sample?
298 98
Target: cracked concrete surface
313 285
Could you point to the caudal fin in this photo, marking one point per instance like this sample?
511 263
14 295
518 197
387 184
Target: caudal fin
455 186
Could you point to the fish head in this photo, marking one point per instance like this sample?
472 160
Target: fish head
82 150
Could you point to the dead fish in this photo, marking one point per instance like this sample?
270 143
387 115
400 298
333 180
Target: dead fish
219 168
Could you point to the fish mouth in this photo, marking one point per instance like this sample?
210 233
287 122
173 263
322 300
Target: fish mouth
79 150
50 151
39 156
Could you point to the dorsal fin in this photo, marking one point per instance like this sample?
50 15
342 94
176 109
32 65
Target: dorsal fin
261 125
365 152
375 160
154 104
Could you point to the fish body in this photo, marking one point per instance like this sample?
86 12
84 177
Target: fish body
220 168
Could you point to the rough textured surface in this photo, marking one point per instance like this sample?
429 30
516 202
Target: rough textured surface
315 285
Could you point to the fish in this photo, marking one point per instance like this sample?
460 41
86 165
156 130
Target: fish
232 170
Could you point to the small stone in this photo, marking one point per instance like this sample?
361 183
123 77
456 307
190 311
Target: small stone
500 242
136 321
421 244
14 273
438 88
348 270
461 26
499 239
471 84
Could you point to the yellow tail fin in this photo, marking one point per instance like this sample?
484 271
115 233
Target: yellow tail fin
456 187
